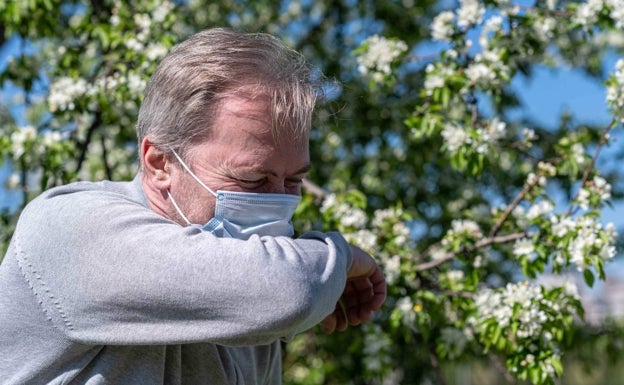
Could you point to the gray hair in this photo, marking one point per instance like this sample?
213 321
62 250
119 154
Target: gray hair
188 85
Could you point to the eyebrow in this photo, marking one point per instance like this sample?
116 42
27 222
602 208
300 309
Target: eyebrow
302 170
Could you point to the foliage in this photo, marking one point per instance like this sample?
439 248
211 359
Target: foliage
419 160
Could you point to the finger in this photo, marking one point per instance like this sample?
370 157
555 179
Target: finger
364 297
357 296
364 289
329 324
351 300
341 316
379 290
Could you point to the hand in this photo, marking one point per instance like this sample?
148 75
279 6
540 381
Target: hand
364 293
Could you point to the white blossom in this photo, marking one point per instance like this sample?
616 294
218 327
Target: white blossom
352 217
136 84
64 91
529 134
438 254
13 181
155 51
494 131
376 343
523 247
20 137
607 252
536 180
380 216
435 77
561 227
455 137
616 12
539 209
615 90
142 20
602 187
590 238
500 306
433 81
455 276
544 28
406 307
329 202
519 214
379 55
466 227
470 13
134 44
610 231
365 239
493 24
51 137
597 187
587 13
478 262
401 234
551 4
583 198
392 268
487 69
578 152
443 27
547 169
160 13
480 73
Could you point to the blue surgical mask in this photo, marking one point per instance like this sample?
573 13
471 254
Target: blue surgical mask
242 214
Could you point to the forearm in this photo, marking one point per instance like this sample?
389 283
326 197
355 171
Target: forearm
150 281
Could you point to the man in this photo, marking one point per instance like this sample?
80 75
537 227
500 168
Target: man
189 274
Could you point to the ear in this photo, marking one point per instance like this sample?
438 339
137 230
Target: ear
156 165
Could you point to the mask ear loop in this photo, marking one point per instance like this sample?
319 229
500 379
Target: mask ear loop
178 208
192 174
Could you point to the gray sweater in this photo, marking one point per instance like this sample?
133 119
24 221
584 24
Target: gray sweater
96 288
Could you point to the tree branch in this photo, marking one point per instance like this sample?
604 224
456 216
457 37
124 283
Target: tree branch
97 120
482 243
498 365
107 167
435 364
592 163
510 208
314 189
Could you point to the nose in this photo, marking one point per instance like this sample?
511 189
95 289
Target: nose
277 187
283 187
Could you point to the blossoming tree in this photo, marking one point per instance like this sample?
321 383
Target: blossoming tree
417 158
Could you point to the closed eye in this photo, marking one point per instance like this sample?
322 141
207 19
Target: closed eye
293 182
252 182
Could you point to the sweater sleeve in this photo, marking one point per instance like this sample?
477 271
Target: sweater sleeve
108 270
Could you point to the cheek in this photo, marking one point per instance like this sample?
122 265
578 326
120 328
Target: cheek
202 207
196 203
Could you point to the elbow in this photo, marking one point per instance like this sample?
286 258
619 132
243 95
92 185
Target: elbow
308 304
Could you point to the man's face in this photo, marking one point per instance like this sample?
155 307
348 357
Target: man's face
240 155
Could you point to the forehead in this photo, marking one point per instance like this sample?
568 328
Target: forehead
256 114
243 134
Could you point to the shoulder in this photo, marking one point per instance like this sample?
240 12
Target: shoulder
105 190
82 204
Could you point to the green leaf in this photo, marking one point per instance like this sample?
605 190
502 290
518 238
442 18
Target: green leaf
589 277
